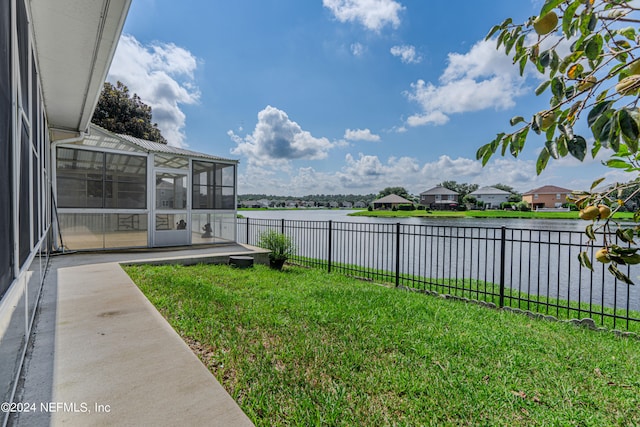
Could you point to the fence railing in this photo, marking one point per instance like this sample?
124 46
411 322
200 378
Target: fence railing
532 270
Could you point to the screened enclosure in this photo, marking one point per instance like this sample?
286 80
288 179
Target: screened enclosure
116 191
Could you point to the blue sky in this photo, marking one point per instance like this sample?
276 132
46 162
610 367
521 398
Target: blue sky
339 96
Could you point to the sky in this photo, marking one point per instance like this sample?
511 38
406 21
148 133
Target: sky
340 96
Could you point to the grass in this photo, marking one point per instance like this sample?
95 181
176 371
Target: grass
480 290
479 214
303 347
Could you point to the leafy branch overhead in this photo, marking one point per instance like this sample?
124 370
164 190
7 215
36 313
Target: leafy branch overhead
599 76
587 52
119 112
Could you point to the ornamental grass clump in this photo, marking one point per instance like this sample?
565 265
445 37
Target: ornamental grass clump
279 244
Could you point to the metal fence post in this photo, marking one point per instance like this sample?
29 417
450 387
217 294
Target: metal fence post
397 254
503 232
329 244
282 225
247 241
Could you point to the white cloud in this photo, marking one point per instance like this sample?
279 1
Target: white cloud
360 135
357 49
277 139
373 14
162 74
406 53
366 173
480 79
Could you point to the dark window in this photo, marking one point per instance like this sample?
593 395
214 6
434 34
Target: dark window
91 179
6 153
23 53
213 185
24 201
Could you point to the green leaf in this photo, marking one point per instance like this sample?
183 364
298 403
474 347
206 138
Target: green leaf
586 23
520 43
614 133
561 143
594 47
549 5
628 32
589 232
626 235
552 146
522 64
577 147
557 87
543 86
619 275
583 257
595 183
493 30
543 159
486 157
617 163
545 59
575 56
629 130
481 151
515 120
568 17
501 37
632 259
509 43
597 110
555 61
593 21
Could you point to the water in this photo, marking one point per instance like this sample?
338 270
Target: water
541 255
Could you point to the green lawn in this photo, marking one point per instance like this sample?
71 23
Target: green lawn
303 347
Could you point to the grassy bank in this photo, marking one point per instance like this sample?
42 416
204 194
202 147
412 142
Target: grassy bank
489 292
302 347
479 214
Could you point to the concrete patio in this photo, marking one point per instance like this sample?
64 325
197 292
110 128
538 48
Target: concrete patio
101 354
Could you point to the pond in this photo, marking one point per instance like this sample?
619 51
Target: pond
540 256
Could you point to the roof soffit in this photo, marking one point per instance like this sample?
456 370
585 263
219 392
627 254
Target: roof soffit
75 41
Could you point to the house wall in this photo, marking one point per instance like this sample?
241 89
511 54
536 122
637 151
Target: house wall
25 208
492 200
545 200
428 199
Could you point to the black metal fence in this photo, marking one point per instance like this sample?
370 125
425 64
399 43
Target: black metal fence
533 270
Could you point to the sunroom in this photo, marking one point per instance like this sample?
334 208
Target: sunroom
116 191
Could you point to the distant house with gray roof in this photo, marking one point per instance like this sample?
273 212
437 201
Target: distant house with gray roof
491 197
439 198
389 202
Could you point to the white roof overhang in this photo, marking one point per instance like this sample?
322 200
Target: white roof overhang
75 41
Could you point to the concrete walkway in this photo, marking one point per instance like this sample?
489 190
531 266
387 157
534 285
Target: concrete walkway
102 355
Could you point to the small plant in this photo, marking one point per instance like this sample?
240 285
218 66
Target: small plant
279 244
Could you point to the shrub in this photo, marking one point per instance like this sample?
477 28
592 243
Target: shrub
279 244
406 207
